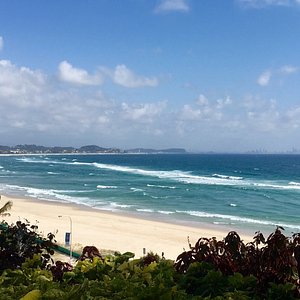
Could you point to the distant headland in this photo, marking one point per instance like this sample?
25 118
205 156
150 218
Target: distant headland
35 149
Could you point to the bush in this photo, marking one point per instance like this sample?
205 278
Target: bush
227 269
21 241
275 260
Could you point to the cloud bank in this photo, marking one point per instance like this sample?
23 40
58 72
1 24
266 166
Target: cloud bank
36 108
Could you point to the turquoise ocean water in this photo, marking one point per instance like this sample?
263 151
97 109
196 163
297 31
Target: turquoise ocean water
249 192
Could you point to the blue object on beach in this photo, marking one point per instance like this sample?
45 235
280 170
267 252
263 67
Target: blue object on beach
67 238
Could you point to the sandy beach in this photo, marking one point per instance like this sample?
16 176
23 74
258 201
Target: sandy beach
107 230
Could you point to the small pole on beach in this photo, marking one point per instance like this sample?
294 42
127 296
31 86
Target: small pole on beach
70 236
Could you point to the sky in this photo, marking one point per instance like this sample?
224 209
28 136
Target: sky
204 75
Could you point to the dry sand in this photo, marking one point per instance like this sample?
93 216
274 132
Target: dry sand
107 230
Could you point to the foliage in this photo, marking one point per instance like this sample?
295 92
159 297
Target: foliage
228 269
275 260
89 252
21 241
7 206
149 258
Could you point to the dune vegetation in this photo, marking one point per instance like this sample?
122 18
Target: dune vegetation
211 269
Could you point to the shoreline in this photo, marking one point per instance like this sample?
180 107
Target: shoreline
109 230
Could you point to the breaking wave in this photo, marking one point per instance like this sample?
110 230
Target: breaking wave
227 177
161 186
49 194
106 187
179 176
202 214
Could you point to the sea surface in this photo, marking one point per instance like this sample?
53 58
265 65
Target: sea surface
247 192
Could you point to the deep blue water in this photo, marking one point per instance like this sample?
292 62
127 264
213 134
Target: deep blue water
254 192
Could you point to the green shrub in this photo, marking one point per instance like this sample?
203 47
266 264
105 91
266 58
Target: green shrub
228 269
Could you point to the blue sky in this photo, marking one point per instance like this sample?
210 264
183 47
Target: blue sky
206 75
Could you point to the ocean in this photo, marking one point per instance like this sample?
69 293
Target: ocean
238 192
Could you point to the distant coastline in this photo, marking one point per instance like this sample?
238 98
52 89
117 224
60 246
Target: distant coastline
32 149
88 149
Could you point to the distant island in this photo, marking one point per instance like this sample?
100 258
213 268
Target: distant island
35 149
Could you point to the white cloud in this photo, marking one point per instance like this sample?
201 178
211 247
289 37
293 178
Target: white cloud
1 43
264 121
205 110
78 76
202 100
264 3
35 108
264 78
190 113
125 77
223 102
292 118
172 5
19 83
145 113
288 69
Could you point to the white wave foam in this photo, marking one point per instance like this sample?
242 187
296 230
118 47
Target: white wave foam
181 176
294 183
136 190
145 210
176 175
50 194
233 204
227 177
106 187
114 204
220 223
276 186
78 191
38 161
161 186
237 219
9 172
166 212
1 167
52 173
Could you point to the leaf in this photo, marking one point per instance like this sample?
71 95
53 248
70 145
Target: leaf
54 294
32 295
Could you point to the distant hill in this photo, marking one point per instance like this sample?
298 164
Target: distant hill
34 149
97 149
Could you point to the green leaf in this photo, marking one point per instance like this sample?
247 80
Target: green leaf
54 294
32 295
